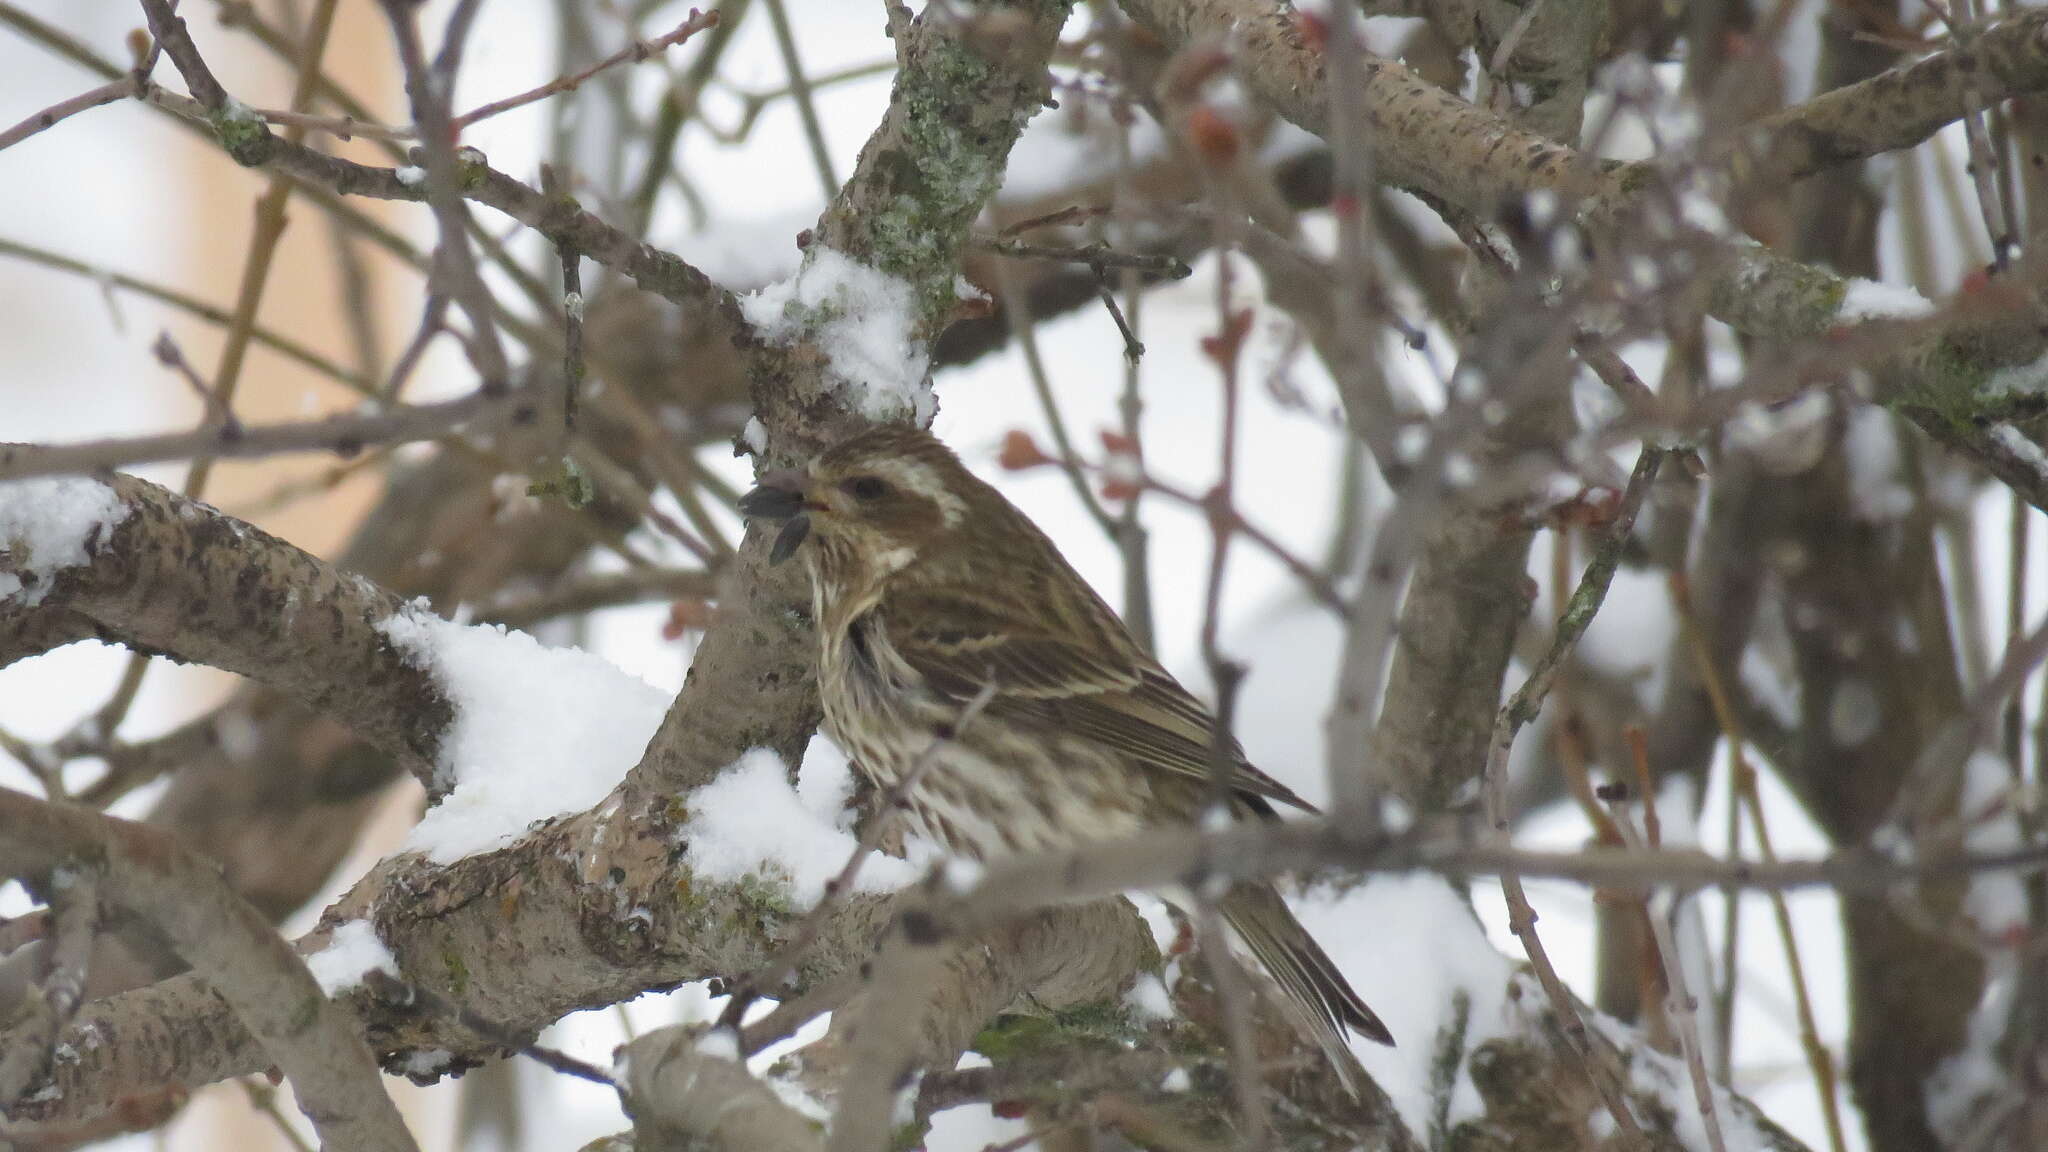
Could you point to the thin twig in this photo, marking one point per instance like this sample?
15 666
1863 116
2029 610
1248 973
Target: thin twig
552 184
633 53
1134 349
74 918
1682 1006
1072 214
806 107
1225 350
679 104
1744 798
1098 256
455 269
433 322
1024 332
1131 538
270 208
263 1100
218 415
65 109
616 480
752 104
593 593
269 338
270 221
1313 579
342 435
1233 994
1519 710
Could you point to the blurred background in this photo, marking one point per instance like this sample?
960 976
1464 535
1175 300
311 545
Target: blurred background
102 215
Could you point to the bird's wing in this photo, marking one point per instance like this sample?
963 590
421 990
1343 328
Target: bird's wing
1098 686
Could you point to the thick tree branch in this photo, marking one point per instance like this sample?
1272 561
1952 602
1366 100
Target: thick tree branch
683 1095
232 947
179 578
1901 107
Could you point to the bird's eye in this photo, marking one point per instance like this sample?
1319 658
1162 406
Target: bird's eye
865 488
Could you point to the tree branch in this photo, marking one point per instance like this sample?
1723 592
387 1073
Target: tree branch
179 578
233 948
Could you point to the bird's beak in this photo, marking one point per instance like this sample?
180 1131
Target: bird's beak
780 496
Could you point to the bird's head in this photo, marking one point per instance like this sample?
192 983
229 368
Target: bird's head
886 496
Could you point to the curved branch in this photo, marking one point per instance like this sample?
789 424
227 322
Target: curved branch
683 1095
526 935
1901 107
182 579
231 945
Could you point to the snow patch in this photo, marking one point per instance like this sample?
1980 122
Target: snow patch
720 1044
48 524
1665 1078
1870 300
2029 379
1973 1074
864 322
1412 980
749 823
1772 686
1786 438
538 732
1148 999
2024 450
353 952
424 1062
1997 900
1878 492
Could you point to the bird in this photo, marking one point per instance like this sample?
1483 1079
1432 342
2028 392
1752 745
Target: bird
931 593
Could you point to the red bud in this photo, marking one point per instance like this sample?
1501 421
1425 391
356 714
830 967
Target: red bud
1119 488
685 616
1223 347
1214 137
1315 31
1020 452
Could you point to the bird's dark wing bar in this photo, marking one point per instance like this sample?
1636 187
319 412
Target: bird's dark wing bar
1139 711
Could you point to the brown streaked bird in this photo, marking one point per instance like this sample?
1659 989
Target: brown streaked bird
926 584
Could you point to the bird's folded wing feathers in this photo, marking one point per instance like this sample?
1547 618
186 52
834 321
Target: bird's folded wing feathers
1105 692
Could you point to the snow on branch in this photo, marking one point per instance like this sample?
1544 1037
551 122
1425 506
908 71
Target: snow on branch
536 732
352 953
749 824
47 526
164 574
863 322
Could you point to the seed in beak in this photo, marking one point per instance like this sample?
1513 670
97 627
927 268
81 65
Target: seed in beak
791 536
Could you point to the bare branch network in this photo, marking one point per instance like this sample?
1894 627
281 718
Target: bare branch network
1493 334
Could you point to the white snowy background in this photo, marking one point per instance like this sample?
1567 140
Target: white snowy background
76 369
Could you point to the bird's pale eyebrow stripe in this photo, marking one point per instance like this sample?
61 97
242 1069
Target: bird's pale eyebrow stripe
919 479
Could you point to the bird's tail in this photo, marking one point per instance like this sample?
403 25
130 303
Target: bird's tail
1317 998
